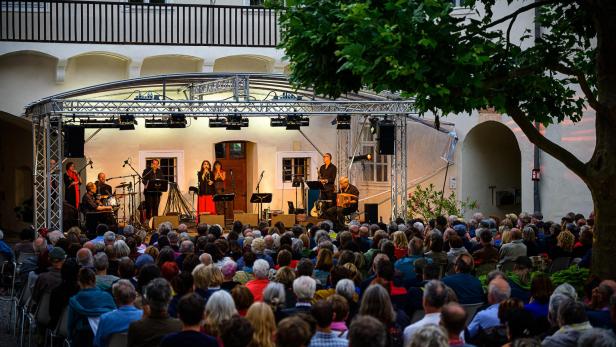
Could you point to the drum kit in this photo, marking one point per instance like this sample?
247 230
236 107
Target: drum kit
122 202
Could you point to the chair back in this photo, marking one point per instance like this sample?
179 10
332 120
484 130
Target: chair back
118 340
42 312
559 264
471 310
62 328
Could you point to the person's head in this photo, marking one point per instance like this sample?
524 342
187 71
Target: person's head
101 262
429 336
236 332
304 288
85 258
556 301
121 249
57 256
70 166
274 295
541 288
434 296
571 312
242 297
91 187
323 313
344 182
190 309
304 267
207 276
260 269
126 268
146 274
261 317
340 307
565 240
124 293
219 308
346 288
377 303
87 278
464 263
205 259
324 260
169 270
327 158
498 290
285 275
453 318
506 306
206 166
519 323
155 164
431 271
367 331
217 165
293 332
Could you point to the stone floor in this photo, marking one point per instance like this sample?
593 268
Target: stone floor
6 334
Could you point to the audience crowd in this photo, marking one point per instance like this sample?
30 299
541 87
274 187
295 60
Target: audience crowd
406 284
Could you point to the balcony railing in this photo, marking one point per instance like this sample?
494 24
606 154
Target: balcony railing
123 23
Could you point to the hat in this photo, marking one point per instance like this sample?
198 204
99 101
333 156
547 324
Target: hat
143 260
524 262
57 253
460 229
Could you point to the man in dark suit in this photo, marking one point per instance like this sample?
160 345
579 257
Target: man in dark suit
152 197
327 176
101 187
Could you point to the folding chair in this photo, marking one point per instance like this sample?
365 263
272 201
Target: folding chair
60 330
118 340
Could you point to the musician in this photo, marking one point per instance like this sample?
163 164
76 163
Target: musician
327 176
337 213
220 176
101 187
72 180
205 177
152 197
89 202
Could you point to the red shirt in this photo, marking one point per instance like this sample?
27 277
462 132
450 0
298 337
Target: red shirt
257 287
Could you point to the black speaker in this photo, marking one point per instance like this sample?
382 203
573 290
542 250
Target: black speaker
73 142
386 137
372 213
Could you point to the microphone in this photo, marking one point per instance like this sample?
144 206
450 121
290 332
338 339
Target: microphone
91 167
125 162
262 172
231 172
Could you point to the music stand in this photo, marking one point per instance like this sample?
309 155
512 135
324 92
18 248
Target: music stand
224 198
157 186
315 185
261 198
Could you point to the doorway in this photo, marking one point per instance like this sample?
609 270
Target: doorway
232 156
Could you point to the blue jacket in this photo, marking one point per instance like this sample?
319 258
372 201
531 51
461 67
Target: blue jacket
467 287
116 321
89 302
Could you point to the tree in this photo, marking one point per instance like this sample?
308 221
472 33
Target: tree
428 203
453 65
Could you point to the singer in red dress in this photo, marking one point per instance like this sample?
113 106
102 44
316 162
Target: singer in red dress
206 189
72 180
219 184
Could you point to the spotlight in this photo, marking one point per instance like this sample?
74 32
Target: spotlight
176 120
99 123
367 157
218 122
343 122
127 122
278 122
236 122
373 125
294 122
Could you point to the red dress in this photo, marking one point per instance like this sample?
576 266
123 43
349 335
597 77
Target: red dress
205 202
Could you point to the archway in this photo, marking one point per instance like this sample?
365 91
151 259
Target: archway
491 169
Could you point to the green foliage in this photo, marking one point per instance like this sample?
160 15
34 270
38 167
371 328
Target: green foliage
448 64
574 275
428 203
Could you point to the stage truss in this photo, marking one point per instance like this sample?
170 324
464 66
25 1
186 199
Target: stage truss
49 115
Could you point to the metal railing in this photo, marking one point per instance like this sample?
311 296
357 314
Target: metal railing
123 23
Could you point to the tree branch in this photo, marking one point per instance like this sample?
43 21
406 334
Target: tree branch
553 149
519 11
582 81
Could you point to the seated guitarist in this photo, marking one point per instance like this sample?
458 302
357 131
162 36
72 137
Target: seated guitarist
337 213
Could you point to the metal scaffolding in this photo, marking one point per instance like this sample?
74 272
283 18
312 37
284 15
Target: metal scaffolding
49 115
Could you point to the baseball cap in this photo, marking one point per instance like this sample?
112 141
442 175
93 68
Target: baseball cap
57 253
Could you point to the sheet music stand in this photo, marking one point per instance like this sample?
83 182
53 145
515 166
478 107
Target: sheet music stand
315 185
224 198
157 186
261 198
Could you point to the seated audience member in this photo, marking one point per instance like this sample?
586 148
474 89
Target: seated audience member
274 295
520 325
304 288
190 310
156 323
48 281
61 294
487 253
434 297
377 303
257 286
405 265
103 280
429 335
598 311
5 249
341 314
242 297
573 322
237 332
367 331
519 278
466 286
89 303
263 323
323 313
453 320
118 320
498 291
597 337
541 288
346 289
293 332
218 310
456 248
207 280
182 284
516 248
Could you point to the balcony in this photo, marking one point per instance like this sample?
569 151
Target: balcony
123 23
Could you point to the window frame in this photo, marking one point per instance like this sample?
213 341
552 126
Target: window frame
178 154
315 161
373 165
294 166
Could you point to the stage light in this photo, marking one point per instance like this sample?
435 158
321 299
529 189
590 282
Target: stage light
294 122
127 122
367 157
278 122
373 125
287 96
99 123
236 122
217 122
343 122
174 121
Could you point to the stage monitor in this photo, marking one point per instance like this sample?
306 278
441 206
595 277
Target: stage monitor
73 141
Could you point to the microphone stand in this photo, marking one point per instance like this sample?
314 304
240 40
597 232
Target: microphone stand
260 203
138 223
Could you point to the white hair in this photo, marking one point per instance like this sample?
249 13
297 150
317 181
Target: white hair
260 268
109 236
220 306
121 249
205 259
429 335
54 236
345 287
304 288
274 294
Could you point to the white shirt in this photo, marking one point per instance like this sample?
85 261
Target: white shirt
430 318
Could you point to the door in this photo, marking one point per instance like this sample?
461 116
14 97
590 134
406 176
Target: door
232 156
